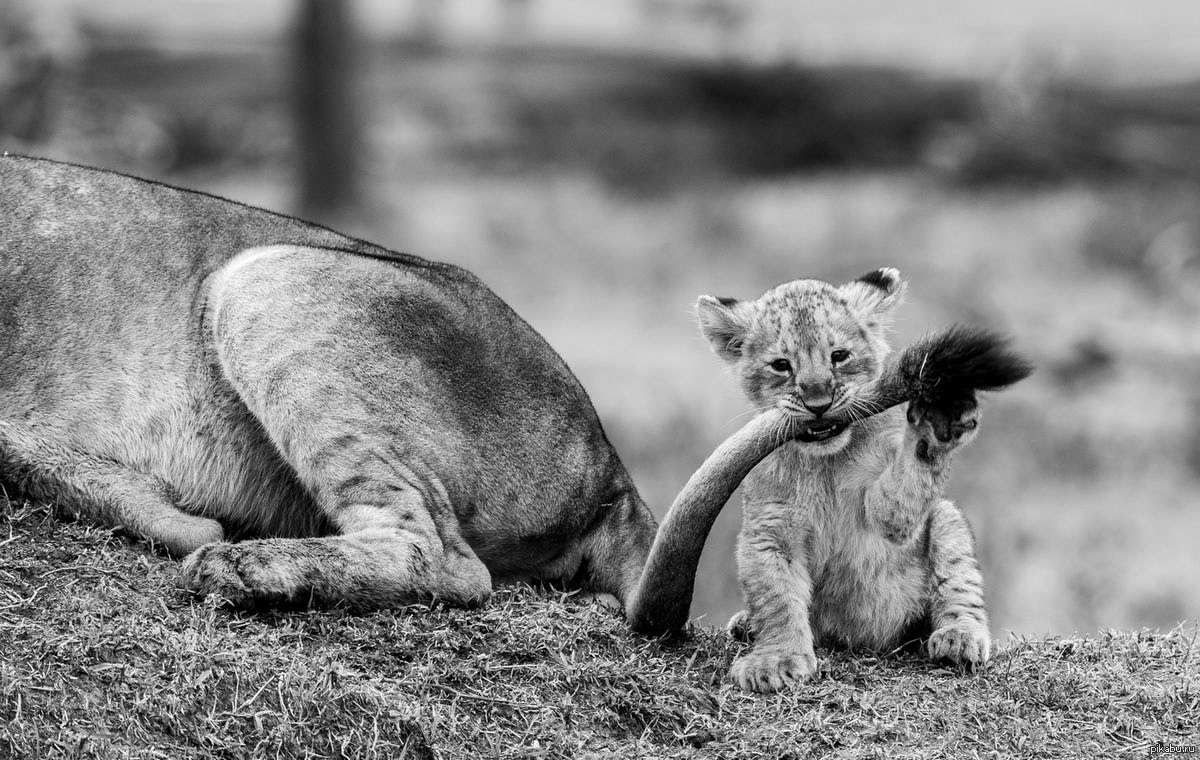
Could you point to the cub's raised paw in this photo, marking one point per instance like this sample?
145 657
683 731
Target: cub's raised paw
968 645
242 573
943 425
739 628
771 670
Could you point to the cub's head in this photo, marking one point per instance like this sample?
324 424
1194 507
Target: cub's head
806 346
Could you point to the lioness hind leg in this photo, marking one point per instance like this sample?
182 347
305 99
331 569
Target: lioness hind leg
338 400
369 565
103 491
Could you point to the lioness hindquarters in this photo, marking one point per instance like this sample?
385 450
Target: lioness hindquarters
435 432
346 414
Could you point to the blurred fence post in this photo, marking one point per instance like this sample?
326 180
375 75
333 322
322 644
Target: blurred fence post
328 114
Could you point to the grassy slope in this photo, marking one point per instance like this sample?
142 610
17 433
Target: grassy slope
101 655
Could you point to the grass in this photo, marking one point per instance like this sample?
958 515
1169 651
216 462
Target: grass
103 656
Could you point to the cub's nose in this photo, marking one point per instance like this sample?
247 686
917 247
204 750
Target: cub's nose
818 406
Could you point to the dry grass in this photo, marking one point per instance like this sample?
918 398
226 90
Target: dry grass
102 656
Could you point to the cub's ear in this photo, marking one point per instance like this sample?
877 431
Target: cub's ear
724 321
874 295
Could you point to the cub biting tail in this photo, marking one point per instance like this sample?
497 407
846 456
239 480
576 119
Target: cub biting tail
847 537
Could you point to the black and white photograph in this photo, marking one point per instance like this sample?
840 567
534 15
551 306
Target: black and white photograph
730 379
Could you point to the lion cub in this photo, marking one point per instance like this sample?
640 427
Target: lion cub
846 538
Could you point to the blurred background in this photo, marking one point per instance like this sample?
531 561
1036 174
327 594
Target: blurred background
1032 166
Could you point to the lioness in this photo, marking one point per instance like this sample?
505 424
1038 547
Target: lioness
378 428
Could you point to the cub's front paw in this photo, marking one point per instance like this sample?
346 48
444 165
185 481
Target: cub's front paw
962 644
771 670
943 425
243 574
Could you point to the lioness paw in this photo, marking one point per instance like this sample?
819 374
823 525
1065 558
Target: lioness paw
771 670
944 425
962 644
241 573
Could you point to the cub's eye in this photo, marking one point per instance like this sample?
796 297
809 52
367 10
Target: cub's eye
839 356
780 365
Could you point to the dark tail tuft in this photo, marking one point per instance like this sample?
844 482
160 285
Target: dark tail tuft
959 360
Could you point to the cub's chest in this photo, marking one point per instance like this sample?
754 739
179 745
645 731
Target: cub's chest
825 502
819 491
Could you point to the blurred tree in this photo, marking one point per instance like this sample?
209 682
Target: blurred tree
427 22
724 22
328 115
516 21
26 70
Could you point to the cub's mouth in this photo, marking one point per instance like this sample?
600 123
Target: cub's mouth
820 430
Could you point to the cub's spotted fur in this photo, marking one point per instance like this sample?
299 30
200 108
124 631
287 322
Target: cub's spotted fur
847 539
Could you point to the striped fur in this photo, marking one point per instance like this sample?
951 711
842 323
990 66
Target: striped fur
846 541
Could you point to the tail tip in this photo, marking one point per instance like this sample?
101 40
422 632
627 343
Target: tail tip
963 359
